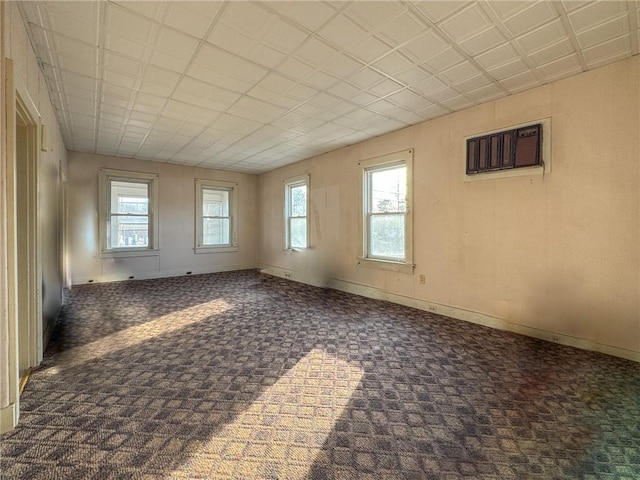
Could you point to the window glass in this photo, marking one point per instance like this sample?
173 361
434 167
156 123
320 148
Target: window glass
216 214
296 204
128 224
216 222
387 204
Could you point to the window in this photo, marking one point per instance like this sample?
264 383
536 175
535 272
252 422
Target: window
386 214
128 211
216 207
296 207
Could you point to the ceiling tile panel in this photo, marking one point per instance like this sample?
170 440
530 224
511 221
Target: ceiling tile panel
386 87
69 64
561 67
426 46
125 46
368 50
342 65
186 20
608 51
532 17
295 69
394 63
140 7
175 43
118 78
401 29
539 38
76 20
508 69
429 86
375 15
484 94
412 76
444 60
498 56
126 24
603 32
248 18
315 52
230 39
440 9
596 13
483 41
509 8
342 31
285 37
310 15
552 52
460 72
472 83
466 23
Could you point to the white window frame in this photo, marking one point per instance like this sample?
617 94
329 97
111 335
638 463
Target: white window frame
232 188
106 176
404 158
289 184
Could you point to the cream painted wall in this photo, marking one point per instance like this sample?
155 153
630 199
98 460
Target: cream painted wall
52 159
176 187
554 256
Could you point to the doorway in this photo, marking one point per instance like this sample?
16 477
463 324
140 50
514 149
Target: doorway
28 273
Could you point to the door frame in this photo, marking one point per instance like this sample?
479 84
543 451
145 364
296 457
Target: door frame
23 286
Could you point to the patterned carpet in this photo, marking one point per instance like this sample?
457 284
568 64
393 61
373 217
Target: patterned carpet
243 376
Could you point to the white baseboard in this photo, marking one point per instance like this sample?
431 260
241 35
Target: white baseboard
8 418
162 274
455 312
294 275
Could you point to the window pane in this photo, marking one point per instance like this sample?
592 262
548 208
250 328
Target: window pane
215 231
129 197
124 231
298 232
388 190
215 203
387 236
298 201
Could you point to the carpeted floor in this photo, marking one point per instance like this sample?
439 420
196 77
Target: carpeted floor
235 375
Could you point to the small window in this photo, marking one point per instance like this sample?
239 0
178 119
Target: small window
216 206
520 147
296 208
128 211
387 219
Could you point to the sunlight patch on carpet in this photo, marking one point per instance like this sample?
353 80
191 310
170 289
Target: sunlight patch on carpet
132 336
281 434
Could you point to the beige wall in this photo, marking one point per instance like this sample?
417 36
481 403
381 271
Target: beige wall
176 188
29 81
553 256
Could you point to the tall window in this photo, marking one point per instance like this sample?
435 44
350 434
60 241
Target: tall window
216 216
128 209
296 207
387 220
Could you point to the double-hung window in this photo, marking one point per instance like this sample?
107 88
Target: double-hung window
128 211
387 226
296 207
216 216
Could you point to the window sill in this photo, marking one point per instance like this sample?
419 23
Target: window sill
224 249
143 252
401 267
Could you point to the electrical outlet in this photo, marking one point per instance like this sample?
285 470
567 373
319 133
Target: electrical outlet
422 279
